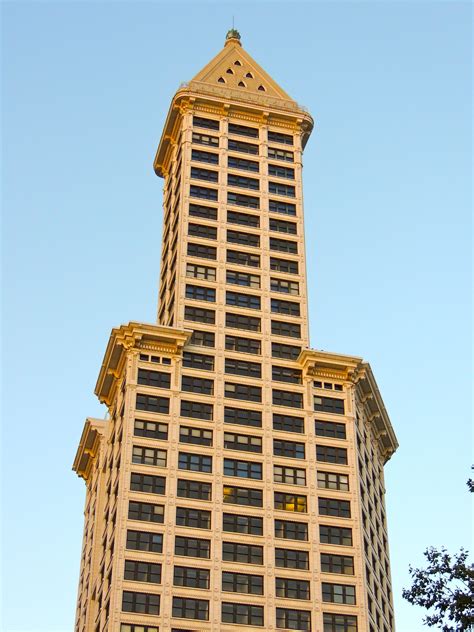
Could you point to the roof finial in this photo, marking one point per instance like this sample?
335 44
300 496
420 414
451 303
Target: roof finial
232 35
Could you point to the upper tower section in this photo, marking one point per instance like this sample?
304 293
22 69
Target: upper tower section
233 83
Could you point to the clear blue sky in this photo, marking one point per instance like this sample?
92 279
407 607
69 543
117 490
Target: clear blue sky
86 89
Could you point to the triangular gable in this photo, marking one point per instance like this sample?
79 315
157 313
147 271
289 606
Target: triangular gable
234 68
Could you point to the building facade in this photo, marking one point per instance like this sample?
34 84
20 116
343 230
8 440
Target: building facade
238 478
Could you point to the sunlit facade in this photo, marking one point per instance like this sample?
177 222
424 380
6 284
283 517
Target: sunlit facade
238 479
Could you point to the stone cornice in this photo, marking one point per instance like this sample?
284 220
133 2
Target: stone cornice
353 369
227 102
94 430
139 336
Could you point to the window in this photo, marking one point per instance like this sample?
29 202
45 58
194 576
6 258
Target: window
247 443
237 523
197 410
242 278
191 577
245 553
185 608
199 121
200 315
205 156
201 251
197 436
239 199
242 417
286 374
242 182
199 230
240 146
198 173
289 475
341 536
278 137
192 547
285 307
243 496
197 385
203 192
200 272
238 321
290 502
152 404
202 338
142 572
243 367
285 287
200 293
289 558
283 245
146 512
243 259
342 564
243 130
279 188
338 593
280 171
243 345
199 210
150 429
242 583
291 330
288 352
282 265
147 483
194 489
329 405
140 602
283 208
333 507
246 239
328 454
288 423
198 361
330 429
148 456
242 469
291 589
242 614
290 449
339 623
243 219
280 154
196 518
242 163
205 139
144 541
154 378
243 391
331 480
291 530
195 462
287 398
130 627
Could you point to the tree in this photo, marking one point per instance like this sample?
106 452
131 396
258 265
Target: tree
446 586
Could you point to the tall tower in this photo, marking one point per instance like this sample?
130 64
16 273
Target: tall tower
238 478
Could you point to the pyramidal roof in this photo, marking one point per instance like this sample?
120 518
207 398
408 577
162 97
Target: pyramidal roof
234 68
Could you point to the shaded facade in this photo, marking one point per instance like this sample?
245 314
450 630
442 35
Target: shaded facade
238 479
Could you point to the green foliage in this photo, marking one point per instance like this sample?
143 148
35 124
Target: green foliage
447 587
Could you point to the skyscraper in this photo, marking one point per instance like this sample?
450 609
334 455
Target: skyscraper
238 478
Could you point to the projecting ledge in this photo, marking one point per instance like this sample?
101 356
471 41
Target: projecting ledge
89 444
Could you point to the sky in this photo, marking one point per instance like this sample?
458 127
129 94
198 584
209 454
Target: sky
86 89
